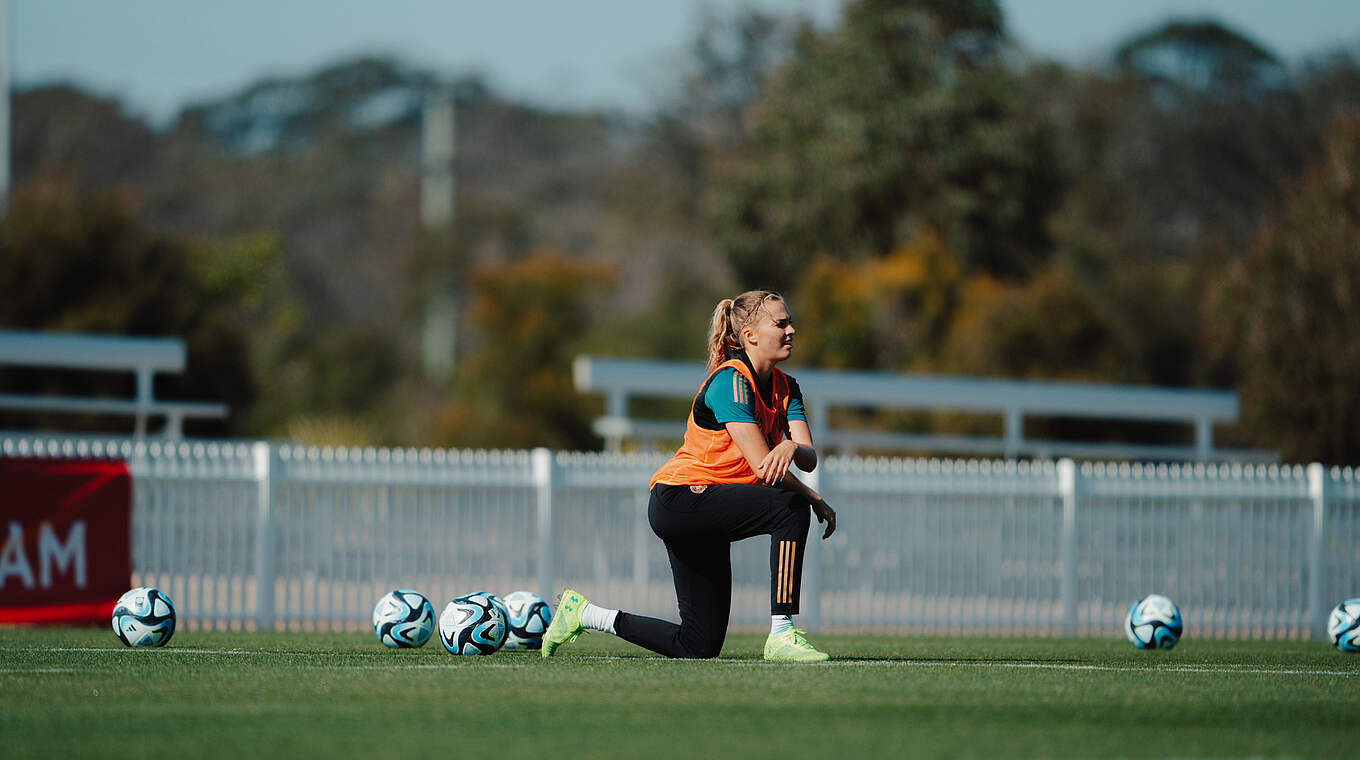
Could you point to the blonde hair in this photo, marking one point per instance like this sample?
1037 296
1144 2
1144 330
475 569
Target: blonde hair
731 315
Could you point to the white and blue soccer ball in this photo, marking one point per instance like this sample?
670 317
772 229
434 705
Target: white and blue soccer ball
1343 626
1154 622
529 616
497 602
144 617
403 618
472 624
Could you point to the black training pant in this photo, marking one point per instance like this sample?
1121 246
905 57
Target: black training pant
698 525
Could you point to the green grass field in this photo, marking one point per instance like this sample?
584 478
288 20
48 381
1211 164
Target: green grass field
79 693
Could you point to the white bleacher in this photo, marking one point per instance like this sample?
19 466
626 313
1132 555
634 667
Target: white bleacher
143 357
620 380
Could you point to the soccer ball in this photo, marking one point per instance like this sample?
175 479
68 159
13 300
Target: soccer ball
529 616
403 618
472 624
1153 622
144 617
1343 626
496 602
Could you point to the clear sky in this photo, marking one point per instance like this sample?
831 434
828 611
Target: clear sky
158 55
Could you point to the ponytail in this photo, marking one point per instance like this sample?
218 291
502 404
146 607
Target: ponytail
730 316
721 342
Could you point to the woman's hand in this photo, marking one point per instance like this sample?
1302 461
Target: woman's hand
775 465
825 514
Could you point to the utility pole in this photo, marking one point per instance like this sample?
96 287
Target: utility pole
437 152
439 335
4 106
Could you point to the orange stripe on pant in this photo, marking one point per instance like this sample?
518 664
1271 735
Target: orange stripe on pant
788 556
779 576
785 570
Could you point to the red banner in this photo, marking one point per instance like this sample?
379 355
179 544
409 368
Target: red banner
65 539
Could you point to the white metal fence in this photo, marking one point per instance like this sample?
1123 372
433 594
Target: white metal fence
262 535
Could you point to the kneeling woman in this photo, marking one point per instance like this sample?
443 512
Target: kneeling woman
730 480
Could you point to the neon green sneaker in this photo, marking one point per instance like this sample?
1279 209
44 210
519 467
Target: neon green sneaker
566 622
789 646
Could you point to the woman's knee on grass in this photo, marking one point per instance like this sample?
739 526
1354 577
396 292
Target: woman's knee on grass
702 644
704 651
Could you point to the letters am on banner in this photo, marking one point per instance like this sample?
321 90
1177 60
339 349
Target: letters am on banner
65 539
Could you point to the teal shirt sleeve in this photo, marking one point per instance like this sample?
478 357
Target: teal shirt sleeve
725 402
796 411
728 405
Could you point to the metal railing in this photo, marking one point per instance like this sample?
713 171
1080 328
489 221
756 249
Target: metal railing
263 535
1012 401
143 357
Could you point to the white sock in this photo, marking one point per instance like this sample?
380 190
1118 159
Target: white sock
598 618
780 623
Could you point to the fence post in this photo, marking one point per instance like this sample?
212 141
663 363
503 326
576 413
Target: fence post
642 542
264 535
1317 555
1067 552
1014 432
616 408
146 382
1204 438
543 486
811 612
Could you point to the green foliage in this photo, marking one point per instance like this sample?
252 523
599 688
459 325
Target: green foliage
1057 326
903 119
886 313
345 368
673 326
1203 56
88 266
1288 311
1136 328
1051 328
731 59
1153 178
927 199
86 141
514 387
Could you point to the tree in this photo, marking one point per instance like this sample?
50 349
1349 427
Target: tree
1188 138
514 387
1051 327
1179 155
885 313
1204 57
86 140
87 266
902 120
730 61
1288 309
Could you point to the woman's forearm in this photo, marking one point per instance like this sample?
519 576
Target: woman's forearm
792 483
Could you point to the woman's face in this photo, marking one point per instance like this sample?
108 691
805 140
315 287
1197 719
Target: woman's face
770 335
